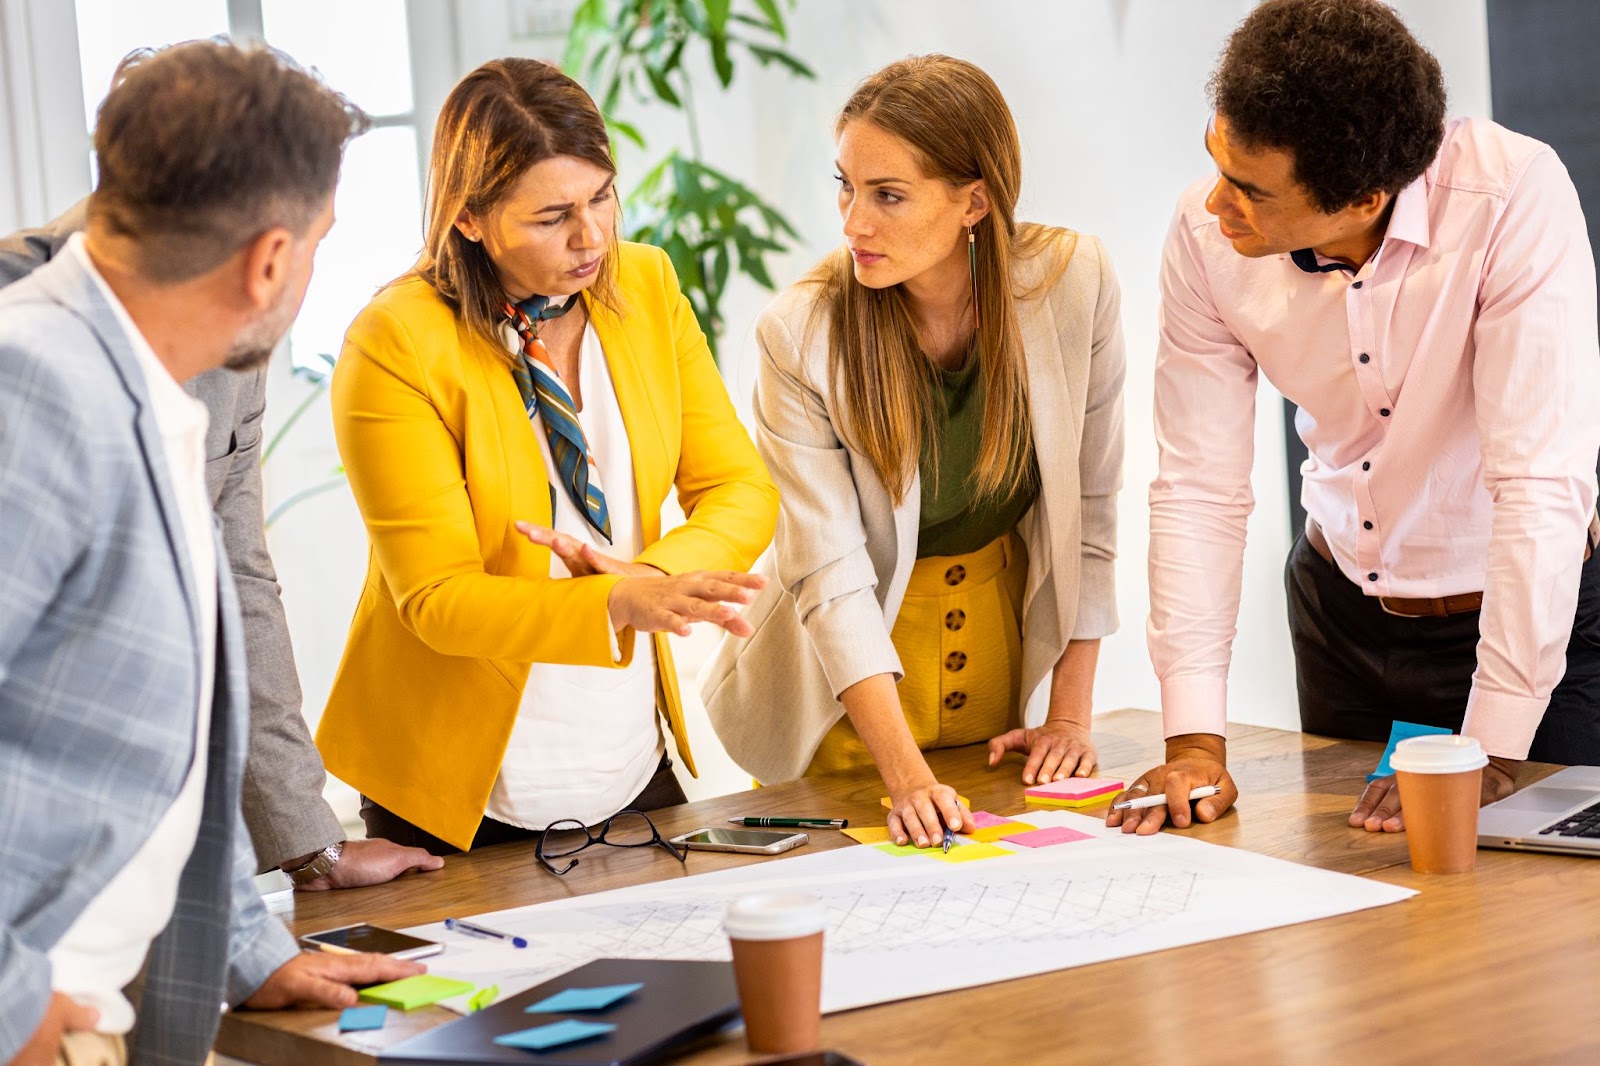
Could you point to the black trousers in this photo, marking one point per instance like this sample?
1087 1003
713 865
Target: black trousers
662 790
1359 669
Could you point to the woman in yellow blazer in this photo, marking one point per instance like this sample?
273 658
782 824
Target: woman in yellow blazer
531 371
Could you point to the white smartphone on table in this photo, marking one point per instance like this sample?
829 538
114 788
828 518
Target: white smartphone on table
744 841
352 939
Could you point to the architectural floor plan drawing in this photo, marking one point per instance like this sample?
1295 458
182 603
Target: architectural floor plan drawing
902 926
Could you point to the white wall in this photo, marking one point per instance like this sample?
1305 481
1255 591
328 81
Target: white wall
1108 95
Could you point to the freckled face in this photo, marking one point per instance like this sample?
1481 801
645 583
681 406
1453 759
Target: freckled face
898 222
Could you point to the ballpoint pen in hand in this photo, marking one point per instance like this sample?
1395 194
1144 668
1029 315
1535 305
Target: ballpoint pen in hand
474 929
949 838
1159 799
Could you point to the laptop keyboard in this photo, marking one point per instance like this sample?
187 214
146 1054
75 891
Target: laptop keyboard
1585 823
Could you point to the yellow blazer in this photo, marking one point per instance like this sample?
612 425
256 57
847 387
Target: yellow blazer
442 460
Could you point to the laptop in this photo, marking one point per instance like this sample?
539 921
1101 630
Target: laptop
1559 814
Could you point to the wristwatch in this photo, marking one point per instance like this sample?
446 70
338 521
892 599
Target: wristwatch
321 865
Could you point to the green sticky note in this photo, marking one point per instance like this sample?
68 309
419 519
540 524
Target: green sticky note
483 998
419 991
905 849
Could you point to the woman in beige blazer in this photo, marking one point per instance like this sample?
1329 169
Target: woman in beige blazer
940 404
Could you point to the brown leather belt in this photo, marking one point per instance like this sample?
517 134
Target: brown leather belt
1433 607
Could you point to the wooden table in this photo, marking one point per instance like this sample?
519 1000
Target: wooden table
1501 965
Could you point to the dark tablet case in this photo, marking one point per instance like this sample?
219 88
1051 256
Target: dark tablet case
681 1002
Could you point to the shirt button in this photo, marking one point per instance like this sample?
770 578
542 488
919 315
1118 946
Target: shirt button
1372 577
1355 285
1366 525
955 661
955 701
955 575
1384 411
954 620
1365 358
1366 466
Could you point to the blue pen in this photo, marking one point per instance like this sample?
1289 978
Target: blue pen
472 928
949 838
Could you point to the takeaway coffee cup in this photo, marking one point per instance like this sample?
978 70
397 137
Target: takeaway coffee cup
1440 779
777 964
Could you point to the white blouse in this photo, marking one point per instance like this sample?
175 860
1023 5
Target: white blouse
587 739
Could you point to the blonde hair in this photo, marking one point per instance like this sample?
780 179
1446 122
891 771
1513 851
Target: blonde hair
952 116
498 122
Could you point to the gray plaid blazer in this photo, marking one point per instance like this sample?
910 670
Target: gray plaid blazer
283 777
99 673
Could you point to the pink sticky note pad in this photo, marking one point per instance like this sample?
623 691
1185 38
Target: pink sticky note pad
1075 788
983 819
1043 838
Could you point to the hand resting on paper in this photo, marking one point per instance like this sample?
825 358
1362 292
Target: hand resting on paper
1193 759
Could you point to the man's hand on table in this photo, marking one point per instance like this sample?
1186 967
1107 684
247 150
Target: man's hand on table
1378 810
1193 760
323 979
367 862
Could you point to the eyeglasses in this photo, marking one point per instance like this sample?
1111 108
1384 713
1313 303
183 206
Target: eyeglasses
625 829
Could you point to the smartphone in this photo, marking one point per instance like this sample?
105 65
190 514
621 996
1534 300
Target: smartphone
746 841
812 1058
350 939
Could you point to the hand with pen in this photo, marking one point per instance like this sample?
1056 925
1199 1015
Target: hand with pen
1194 760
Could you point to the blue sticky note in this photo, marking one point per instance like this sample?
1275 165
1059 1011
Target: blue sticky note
1401 731
555 1034
571 999
355 1019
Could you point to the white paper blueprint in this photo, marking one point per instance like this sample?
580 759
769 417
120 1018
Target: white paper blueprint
909 926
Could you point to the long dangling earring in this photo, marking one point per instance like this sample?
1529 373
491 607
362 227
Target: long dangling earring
972 269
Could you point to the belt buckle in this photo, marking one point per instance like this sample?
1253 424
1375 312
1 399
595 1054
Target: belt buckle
1383 602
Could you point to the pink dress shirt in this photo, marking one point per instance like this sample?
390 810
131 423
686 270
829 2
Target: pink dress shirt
1449 395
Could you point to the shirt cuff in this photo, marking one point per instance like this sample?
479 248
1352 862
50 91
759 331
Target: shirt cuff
1194 704
1504 724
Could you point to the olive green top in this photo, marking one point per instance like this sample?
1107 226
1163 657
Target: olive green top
954 521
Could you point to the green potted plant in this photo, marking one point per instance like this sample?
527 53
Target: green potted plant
708 222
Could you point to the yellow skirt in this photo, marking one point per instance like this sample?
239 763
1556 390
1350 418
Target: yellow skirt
959 636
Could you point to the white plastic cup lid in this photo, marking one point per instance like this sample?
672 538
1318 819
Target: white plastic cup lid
775 916
1439 753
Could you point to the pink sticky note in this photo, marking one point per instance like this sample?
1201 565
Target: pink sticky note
983 820
1043 838
1076 788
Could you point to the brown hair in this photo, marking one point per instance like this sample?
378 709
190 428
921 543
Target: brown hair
952 116
205 145
499 121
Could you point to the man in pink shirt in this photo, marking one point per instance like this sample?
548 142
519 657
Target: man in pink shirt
1425 293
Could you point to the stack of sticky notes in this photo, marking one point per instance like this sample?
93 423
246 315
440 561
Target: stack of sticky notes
1048 837
423 990
1075 792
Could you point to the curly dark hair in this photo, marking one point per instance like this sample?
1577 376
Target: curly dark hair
1339 84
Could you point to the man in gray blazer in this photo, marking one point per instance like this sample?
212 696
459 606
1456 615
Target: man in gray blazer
123 697
291 825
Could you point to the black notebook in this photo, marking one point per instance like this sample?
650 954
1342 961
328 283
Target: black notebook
680 1003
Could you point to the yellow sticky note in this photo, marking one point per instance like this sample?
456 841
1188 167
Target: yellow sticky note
872 834
888 804
483 997
998 832
970 853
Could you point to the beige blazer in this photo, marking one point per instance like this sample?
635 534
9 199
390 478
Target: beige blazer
844 552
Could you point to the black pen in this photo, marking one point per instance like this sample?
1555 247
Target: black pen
792 823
